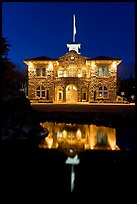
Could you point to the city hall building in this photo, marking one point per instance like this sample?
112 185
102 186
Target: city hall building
72 77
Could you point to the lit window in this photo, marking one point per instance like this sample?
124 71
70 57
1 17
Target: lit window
60 73
105 138
59 134
103 92
100 93
72 72
100 72
99 138
105 71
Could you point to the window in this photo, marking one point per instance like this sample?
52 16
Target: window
105 71
43 91
38 71
100 71
40 91
59 134
47 95
105 138
99 138
43 71
60 95
60 73
84 94
102 138
72 72
103 92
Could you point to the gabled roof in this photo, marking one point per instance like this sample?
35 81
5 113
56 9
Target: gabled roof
103 58
44 58
40 58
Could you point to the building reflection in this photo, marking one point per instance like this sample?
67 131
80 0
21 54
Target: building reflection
74 138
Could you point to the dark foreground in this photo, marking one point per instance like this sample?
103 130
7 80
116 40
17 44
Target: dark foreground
33 175
109 114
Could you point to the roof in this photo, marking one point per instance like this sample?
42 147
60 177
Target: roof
44 58
103 58
39 58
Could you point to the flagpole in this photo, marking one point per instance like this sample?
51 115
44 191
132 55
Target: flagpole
74 27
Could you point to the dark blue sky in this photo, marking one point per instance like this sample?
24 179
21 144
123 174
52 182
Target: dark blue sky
44 28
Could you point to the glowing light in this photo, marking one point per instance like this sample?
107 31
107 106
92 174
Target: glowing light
30 66
78 134
114 64
49 141
64 133
93 63
50 67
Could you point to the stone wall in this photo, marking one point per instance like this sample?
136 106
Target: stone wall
91 82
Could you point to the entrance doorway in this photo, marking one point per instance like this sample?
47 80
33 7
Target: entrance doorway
71 93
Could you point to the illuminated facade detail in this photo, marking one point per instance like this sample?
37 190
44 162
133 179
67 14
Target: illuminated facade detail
72 78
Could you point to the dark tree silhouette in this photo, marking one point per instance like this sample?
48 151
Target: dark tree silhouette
11 77
5 48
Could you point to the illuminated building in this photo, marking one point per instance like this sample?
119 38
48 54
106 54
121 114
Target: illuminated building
72 77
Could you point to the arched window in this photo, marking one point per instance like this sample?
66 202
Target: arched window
43 91
38 91
84 94
60 94
100 71
103 92
105 71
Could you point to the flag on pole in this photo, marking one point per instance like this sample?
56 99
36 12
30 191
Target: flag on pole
74 28
74 25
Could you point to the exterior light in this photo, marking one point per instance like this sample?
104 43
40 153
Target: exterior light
30 66
50 67
114 64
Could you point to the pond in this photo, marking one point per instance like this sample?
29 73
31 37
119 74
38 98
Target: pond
97 156
74 138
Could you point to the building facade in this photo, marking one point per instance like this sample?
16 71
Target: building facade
72 78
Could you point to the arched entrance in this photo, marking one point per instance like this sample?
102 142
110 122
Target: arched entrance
71 93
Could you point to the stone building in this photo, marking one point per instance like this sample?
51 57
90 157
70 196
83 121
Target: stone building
72 77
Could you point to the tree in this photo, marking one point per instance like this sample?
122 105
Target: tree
127 86
11 77
5 48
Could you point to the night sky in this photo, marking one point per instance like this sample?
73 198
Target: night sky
44 28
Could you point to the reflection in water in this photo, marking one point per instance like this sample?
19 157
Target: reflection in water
74 138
